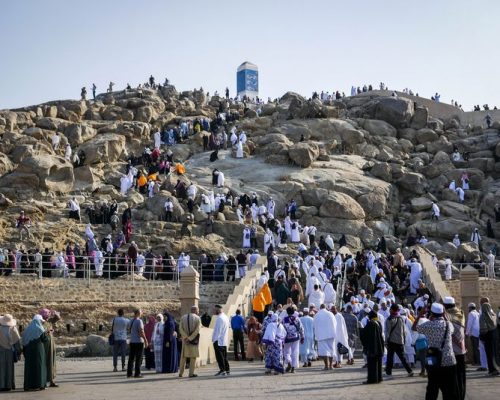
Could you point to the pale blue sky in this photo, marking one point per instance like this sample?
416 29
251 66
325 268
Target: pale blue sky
51 48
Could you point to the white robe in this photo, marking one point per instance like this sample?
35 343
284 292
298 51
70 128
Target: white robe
316 298
234 138
448 269
465 185
211 199
205 204
325 327
288 226
436 210
157 139
295 235
239 150
124 185
329 242
341 335
243 137
452 185
461 194
68 152
239 214
191 191
88 232
330 294
270 207
415 276
267 241
246 238
220 179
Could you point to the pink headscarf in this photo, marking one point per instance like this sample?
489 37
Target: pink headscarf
149 327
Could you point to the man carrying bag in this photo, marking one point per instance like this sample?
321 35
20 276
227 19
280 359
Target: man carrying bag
440 359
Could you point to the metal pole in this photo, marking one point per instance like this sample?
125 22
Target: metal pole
109 268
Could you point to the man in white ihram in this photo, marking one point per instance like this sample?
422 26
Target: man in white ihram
325 327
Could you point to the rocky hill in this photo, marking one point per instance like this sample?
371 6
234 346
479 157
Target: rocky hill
364 166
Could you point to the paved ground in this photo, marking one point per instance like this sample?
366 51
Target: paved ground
91 379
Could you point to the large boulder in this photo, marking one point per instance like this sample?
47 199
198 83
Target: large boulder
413 182
342 206
97 346
103 149
54 173
156 205
394 110
79 133
419 119
420 204
87 178
383 171
469 251
378 128
6 165
314 196
426 135
303 153
374 203
440 164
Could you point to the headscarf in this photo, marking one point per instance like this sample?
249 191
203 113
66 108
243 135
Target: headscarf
149 327
44 313
487 319
34 330
169 326
456 316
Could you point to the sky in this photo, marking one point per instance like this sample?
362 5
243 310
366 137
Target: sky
50 49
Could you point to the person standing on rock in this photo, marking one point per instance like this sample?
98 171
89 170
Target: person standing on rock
465 180
23 224
83 93
94 88
68 152
436 212
476 237
138 342
74 209
56 139
491 265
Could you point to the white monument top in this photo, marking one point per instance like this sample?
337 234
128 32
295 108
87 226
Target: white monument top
247 65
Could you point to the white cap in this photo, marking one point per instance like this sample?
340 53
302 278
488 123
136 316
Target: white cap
426 296
306 309
437 308
449 300
471 305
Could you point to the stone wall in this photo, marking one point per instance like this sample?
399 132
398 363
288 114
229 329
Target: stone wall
487 288
432 277
89 308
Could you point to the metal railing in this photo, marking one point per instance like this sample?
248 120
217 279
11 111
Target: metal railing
481 267
154 269
111 267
